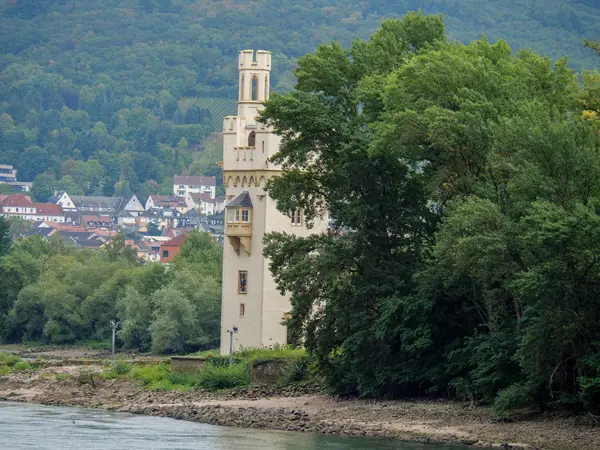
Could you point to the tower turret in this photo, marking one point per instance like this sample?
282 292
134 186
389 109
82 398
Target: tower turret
254 72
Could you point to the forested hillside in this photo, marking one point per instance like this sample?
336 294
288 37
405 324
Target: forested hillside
115 97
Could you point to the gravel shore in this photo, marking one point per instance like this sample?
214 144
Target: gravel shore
305 409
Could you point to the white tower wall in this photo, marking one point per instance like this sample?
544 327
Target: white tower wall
246 169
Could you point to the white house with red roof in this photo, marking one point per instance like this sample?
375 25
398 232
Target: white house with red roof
19 205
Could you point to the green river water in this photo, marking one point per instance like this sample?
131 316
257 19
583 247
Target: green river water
37 427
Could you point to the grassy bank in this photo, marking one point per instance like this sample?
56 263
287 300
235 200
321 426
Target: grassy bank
10 363
215 374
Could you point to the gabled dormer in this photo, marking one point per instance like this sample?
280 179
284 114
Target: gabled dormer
238 222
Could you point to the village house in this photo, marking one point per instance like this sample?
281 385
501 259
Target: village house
113 207
183 185
96 221
201 202
20 205
149 247
219 204
8 175
170 249
90 204
166 201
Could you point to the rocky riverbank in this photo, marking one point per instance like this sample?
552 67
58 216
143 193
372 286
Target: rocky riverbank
303 409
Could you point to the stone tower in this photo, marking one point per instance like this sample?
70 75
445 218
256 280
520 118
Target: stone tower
251 301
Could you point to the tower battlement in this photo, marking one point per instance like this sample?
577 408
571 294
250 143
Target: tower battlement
248 60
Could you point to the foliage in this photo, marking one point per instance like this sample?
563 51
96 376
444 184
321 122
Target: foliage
512 398
9 359
270 354
215 377
60 295
12 363
463 187
5 236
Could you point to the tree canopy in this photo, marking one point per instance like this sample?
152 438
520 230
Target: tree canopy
463 184
61 295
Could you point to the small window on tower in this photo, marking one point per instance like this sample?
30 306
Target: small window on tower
242 309
254 88
297 217
242 282
252 139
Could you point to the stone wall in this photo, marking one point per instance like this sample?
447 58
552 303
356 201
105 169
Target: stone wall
187 364
267 372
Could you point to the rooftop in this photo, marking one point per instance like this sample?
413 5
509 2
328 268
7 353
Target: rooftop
242 200
188 180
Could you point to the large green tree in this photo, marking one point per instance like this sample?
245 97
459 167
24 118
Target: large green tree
462 183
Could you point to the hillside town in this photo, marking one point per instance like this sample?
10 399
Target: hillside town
156 228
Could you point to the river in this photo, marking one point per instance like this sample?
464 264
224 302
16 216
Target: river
37 427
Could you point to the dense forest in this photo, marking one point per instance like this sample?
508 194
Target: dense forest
116 97
62 295
464 182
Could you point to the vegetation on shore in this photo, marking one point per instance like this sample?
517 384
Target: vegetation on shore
10 363
215 373
56 294
464 183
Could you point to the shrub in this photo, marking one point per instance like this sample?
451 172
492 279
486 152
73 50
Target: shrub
512 398
296 370
150 374
23 365
213 377
122 368
4 369
8 359
590 385
270 353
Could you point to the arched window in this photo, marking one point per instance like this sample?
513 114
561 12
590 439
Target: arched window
254 88
242 89
252 139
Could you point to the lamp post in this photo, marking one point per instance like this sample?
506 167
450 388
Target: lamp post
113 325
233 330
